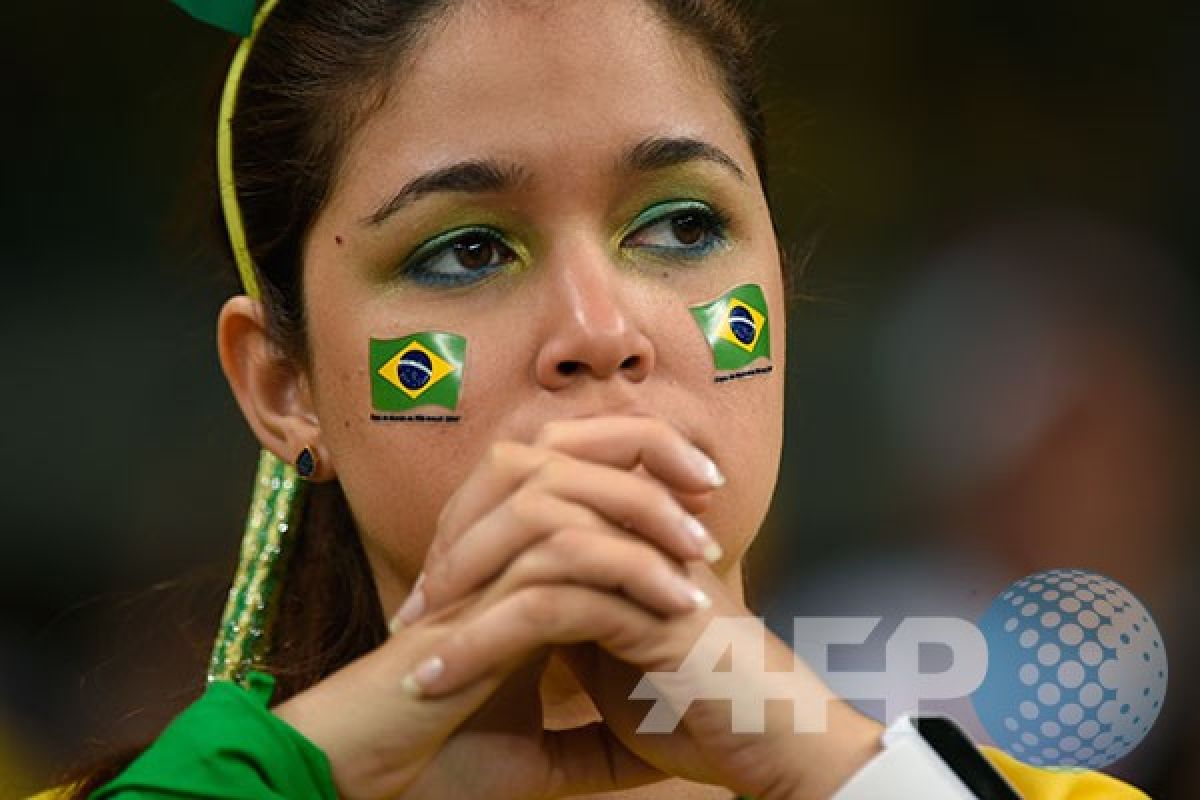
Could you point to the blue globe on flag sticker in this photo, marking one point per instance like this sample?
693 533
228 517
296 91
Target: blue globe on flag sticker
742 325
415 369
1077 670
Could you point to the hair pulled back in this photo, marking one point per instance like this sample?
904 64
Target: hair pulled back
317 70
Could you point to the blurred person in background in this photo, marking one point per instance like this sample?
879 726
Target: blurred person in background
1039 381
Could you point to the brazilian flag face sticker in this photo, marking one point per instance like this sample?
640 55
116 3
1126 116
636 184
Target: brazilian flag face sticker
424 369
736 327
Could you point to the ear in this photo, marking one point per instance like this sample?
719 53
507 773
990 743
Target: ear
272 390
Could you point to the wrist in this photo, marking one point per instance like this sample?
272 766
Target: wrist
357 771
817 764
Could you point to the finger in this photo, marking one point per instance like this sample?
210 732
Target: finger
626 442
567 494
626 500
694 503
619 442
607 561
533 617
491 544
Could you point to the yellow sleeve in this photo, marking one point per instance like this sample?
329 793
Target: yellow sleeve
1035 783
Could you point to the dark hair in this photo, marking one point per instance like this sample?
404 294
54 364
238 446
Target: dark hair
317 70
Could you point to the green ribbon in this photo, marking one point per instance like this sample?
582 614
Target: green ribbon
235 16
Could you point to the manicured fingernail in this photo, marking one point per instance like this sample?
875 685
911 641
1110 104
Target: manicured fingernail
709 547
708 467
687 592
413 607
415 682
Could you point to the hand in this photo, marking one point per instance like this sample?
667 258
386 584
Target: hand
538 549
488 740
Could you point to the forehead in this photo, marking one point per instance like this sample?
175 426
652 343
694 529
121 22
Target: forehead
552 84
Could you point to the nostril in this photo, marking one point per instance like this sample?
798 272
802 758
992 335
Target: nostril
568 367
631 362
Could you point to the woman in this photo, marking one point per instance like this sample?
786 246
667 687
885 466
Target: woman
489 237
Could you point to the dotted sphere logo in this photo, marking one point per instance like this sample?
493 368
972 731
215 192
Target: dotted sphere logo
1077 670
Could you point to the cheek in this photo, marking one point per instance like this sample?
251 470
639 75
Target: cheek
397 475
396 478
744 418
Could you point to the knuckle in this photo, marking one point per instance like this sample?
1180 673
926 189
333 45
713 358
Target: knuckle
503 456
537 606
535 564
526 505
566 548
554 433
553 468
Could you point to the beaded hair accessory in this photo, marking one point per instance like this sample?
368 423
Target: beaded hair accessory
244 636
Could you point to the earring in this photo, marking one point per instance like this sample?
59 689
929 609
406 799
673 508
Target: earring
306 463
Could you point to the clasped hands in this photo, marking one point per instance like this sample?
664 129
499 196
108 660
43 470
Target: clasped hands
583 544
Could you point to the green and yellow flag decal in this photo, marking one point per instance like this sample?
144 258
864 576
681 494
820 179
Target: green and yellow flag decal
423 369
736 327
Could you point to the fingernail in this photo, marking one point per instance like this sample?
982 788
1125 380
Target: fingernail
688 592
415 682
413 607
709 547
712 474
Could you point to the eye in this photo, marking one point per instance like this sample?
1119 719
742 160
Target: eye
682 228
458 258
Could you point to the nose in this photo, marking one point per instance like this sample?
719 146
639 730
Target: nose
589 333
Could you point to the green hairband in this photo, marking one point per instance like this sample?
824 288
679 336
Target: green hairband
235 16
244 636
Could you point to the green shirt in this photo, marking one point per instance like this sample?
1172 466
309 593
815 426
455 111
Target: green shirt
227 745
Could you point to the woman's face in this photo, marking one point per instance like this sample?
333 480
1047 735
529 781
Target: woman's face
610 187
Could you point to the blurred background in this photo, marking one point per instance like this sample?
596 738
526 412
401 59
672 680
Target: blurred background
993 347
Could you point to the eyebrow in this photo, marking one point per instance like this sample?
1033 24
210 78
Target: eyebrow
490 175
477 175
659 152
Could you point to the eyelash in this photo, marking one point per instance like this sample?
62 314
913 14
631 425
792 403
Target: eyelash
713 222
417 267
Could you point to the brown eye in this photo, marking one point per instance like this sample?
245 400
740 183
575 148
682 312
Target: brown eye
475 253
689 228
684 229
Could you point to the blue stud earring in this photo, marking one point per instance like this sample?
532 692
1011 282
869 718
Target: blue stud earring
306 463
